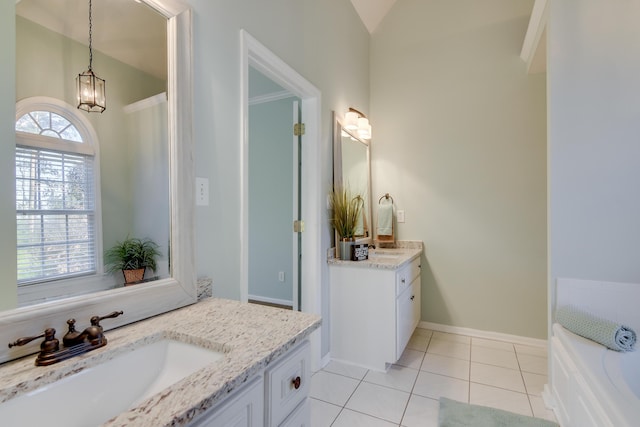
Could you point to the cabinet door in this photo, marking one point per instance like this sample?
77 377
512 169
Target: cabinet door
416 309
244 408
404 320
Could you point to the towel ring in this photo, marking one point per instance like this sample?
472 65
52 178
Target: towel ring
387 197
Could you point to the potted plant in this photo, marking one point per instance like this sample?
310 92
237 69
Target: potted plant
132 256
347 209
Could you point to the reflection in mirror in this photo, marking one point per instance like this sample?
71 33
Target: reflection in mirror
122 173
351 169
146 299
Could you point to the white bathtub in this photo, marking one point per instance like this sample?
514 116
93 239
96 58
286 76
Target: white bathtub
591 385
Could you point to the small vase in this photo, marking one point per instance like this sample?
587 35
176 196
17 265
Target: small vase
345 249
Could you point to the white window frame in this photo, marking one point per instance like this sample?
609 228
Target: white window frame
54 289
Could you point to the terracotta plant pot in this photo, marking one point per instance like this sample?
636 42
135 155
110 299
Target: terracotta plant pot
133 276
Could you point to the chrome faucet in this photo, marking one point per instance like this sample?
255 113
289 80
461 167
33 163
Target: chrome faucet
75 343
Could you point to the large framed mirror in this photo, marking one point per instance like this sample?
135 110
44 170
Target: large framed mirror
168 148
352 170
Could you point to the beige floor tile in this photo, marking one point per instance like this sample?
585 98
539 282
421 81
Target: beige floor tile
497 376
435 386
349 418
534 383
421 412
411 358
450 349
445 336
494 397
323 414
345 369
540 410
499 345
444 365
493 356
332 388
378 401
397 377
533 364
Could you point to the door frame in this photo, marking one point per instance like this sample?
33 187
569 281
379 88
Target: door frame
255 54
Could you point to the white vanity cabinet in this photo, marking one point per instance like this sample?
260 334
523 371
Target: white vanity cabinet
243 409
374 311
276 397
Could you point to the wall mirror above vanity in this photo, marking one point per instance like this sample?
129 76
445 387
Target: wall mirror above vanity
169 147
352 170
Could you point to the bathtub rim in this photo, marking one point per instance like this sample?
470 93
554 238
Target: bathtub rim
589 358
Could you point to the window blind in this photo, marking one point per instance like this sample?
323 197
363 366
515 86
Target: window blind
55 214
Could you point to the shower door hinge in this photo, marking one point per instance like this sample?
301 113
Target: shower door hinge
298 226
298 129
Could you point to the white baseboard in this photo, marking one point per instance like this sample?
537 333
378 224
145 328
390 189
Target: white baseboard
497 336
271 300
325 360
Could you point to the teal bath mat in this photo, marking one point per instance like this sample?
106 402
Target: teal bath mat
458 414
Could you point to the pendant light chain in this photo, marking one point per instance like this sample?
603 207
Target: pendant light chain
90 37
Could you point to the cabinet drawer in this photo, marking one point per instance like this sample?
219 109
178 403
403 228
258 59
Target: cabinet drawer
287 384
406 275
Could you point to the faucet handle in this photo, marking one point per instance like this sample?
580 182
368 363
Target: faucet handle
24 340
49 345
95 320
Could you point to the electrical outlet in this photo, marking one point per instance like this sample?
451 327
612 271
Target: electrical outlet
202 192
400 216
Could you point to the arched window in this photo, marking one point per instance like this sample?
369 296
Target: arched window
56 192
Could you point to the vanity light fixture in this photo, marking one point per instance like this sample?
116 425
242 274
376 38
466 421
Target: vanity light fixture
355 121
91 88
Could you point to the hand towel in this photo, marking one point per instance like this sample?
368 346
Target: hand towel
610 334
360 223
385 218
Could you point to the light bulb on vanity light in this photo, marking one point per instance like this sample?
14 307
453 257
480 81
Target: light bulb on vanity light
351 121
364 128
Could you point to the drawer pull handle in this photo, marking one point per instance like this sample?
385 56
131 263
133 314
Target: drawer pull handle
403 280
296 382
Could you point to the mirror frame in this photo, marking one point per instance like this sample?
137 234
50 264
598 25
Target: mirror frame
337 171
148 299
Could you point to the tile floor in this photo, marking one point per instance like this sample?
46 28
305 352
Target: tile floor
479 371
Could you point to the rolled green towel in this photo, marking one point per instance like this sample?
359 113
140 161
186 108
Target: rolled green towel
612 335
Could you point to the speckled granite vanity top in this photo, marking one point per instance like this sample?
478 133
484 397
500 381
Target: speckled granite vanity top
250 336
386 258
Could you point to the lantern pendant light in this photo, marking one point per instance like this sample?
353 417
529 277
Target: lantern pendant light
91 88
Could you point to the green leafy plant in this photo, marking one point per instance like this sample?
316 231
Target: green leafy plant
347 208
132 254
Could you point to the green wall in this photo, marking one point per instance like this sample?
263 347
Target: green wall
8 279
271 200
459 141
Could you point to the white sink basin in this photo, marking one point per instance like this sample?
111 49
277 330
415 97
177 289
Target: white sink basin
97 394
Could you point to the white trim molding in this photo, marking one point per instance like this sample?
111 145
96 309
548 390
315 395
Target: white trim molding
489 335
256 55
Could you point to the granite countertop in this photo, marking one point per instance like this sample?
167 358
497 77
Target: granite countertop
386 258
250 336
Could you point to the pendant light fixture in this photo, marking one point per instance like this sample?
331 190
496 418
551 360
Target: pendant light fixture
91 88
356 122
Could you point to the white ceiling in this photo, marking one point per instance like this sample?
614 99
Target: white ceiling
126 30
372 12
